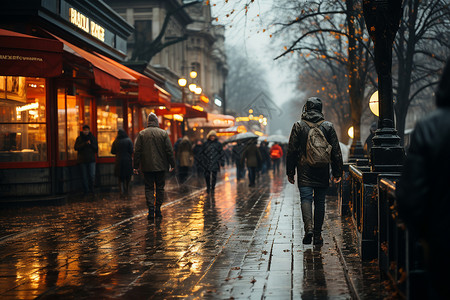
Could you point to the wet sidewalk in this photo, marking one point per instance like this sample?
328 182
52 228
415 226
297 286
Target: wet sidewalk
241 243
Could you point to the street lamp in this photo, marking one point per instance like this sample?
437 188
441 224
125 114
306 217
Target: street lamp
382 20
192 87
351 132
193 74
182 82
374 104
198 90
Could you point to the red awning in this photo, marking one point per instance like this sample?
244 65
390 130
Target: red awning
26 55
184 109
149 93
106 74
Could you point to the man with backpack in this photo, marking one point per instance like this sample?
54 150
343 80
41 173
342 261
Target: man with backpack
313 146
276 153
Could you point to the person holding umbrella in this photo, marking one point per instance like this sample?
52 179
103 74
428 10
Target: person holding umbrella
212 159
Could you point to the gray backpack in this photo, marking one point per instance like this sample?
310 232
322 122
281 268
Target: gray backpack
318 150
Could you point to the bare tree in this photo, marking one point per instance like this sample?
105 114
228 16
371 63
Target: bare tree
245 80
147 50
421 49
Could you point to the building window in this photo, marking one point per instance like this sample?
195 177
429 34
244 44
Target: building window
23 130
109 121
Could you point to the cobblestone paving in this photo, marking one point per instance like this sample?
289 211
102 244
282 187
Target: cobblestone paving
241 243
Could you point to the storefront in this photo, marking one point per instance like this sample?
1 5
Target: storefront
61 72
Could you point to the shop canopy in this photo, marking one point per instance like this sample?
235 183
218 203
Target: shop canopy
149 93
212 121
26 55
184 109
106 75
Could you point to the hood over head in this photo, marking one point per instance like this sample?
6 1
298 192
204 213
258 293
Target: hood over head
312 111
121 134
443 91
152 120
212 132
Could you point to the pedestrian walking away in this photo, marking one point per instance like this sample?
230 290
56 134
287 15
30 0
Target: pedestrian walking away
185 158
423 195
197 152
86 145
153 155
212 160
265 155
276 153
238 149
313 146
253 157
122 147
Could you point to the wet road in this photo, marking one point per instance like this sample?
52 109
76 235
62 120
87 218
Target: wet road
241 243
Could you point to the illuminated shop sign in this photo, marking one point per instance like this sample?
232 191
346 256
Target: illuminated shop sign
83 22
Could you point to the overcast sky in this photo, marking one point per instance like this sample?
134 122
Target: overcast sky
251 33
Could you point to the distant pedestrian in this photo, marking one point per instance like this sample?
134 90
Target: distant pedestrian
185 158
153 156
237 151
423 193
253 157
122 147
313 145
87 146
197 151
212 160
276 153
265 155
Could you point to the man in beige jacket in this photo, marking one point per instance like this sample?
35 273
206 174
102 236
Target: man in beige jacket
153 155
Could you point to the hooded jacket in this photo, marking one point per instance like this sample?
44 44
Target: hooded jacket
252 155
122 147
295 158
86 150
153 150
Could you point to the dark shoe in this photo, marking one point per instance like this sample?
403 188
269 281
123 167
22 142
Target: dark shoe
308 238
318 239
158 214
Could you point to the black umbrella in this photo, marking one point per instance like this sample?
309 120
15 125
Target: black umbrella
241 137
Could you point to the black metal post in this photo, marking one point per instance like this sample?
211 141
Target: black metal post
382 20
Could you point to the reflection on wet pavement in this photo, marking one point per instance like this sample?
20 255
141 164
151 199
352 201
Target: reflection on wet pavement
239 243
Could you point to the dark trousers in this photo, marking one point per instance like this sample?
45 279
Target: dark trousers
183 173
308 195
154 181
88 176
210 178
124 184
251 175
276 165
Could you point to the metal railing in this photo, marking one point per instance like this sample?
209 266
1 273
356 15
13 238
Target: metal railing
399 254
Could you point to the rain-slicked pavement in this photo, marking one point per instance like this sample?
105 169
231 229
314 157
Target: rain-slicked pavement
239 243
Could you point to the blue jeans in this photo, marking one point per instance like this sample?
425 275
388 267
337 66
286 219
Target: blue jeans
88 176
307 196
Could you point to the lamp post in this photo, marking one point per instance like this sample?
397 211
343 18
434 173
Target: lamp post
382 19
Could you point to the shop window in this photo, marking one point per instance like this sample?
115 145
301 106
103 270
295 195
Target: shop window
23 127
109 121
62 141
73 127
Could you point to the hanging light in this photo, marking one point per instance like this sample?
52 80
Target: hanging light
193 74
374 104
198 90
182 82
192 87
